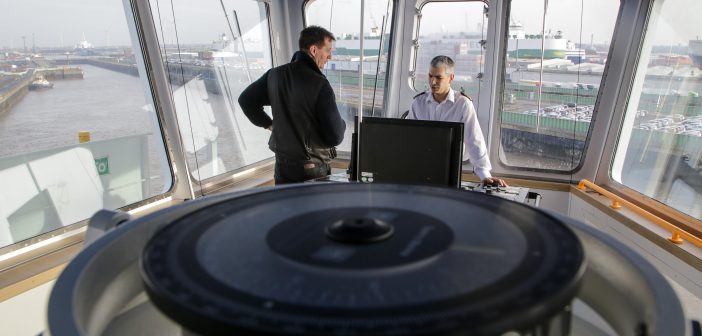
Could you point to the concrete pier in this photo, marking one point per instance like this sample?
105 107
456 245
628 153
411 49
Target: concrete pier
129 69
14 88
65 72
12 92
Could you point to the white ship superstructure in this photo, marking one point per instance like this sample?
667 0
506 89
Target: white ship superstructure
523 45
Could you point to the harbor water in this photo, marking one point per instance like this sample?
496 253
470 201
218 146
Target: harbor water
111 104
105 103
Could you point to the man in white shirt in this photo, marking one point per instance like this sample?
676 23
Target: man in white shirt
442 103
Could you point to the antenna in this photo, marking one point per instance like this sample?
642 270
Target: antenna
359 114
227 86
465 14
107 36
240 37
331 14
377 66
375 23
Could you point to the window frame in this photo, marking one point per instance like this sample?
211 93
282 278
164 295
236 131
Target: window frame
546 174
141 32
414 52
210 184
395 12
391 37
604 173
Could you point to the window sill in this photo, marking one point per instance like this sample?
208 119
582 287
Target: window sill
41 266
686 252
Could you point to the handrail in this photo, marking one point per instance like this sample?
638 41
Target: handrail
677 234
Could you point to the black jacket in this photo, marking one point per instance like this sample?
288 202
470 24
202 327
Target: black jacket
306 121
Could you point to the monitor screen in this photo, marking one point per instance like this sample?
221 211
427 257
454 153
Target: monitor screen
410 151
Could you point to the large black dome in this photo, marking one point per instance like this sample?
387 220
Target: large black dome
351 259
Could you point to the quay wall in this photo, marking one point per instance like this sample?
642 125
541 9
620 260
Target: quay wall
179 74
104 63
13 95
129 69
65 72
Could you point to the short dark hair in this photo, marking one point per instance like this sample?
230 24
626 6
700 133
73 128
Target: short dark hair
314 35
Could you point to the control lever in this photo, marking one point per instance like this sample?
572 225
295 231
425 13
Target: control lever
488 188
103 221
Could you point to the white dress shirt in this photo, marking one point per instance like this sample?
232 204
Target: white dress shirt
456 108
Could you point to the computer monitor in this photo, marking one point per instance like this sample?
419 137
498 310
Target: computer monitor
410 151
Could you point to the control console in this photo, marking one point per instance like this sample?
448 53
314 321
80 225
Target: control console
517 194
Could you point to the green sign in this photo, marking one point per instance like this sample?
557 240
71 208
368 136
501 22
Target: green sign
102 166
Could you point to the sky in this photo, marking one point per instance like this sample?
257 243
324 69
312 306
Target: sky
62 23
52 21
55 23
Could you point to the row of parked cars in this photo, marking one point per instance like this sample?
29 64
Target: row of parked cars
676 123
569 111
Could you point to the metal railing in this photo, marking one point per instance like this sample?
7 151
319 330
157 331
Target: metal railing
678 235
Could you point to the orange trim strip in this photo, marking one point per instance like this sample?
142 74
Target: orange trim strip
677 234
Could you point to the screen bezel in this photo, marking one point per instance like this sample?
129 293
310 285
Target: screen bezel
455 152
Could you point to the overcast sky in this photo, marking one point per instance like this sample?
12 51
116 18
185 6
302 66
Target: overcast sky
50 21
62 23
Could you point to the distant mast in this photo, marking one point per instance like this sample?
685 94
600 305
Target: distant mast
84 47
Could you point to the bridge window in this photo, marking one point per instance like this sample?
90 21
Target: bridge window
457 30
213 50
343 69
554 63
659 153
78 131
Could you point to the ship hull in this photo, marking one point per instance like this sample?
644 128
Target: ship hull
696 52
531 48
536 53
34 86
697 61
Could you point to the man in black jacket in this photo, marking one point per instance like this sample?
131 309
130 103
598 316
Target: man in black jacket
306 124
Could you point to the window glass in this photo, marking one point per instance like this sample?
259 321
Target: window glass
78 131
554 63
212 51
456 30
659 152
342 71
